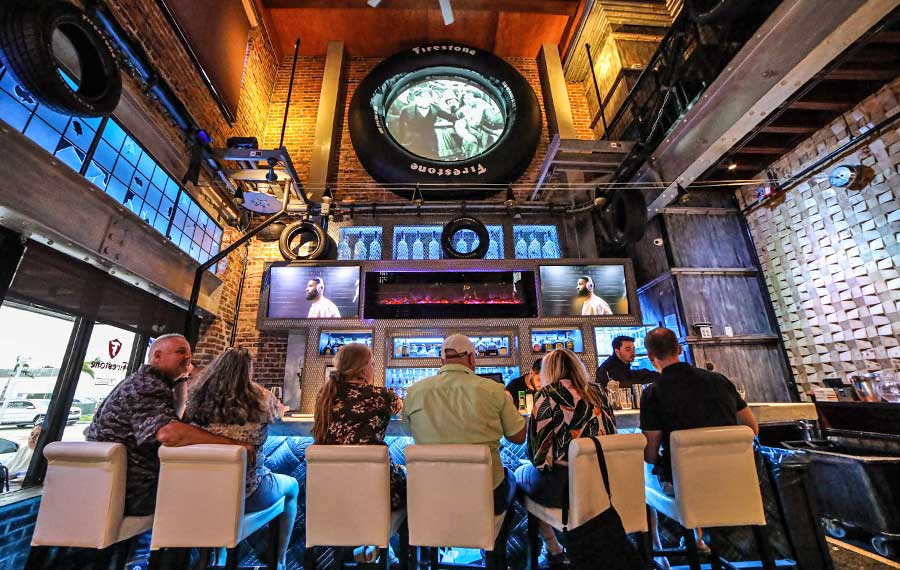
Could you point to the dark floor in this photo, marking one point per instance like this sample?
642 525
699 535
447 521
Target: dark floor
848 557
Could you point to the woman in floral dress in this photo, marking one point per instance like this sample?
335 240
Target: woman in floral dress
350 410
566 407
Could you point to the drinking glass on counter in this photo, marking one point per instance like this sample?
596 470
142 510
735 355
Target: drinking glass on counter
625 398
890 387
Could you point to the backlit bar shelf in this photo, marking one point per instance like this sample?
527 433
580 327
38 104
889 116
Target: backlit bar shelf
331 341
424 242
487 346
359 243
536 242
400 379
545 340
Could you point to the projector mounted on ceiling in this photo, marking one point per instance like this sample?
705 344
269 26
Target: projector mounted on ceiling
446 10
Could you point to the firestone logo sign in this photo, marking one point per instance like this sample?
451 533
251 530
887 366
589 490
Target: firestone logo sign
477 170
115 346
427 49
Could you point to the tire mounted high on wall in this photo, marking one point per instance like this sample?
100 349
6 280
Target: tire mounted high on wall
389 163
26 48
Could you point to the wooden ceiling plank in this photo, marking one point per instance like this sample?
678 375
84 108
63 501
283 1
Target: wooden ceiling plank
558 7
861 74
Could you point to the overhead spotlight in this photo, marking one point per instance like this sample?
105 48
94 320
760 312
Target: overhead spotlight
374 3
271 176
239 194
732 166
417 198
599 202
683 195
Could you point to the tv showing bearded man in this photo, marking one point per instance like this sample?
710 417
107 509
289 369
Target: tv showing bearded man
312 292
583 290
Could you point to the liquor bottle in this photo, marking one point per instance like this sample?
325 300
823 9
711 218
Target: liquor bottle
404 350
548 343
402 248
359 249
536 345
375 247
534 247
521 247
461 245
550 251
418 250
493 251
491 348
434 248
328 350
522 400
570 344
344 247
557 342
503 348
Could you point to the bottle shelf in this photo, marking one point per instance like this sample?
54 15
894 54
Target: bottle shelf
400 379
424 242
536 242
331 341
545 340
359 243
419 347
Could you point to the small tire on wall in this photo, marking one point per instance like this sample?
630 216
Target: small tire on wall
315 243
624 218
465 223
388 162
30 35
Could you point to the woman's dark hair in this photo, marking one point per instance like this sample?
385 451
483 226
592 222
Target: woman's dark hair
224 393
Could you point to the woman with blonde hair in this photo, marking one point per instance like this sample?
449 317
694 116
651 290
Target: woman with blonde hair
567 407
225 401
351 410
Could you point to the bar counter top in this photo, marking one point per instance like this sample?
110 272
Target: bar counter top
766 413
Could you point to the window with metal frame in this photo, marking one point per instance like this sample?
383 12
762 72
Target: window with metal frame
111 159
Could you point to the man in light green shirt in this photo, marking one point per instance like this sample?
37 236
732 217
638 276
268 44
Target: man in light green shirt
456 406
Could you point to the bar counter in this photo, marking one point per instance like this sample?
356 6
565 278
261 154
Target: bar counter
300 425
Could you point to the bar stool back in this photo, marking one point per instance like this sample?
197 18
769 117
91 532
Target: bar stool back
450 499
348 498
715 484
624 455
200 499
84 497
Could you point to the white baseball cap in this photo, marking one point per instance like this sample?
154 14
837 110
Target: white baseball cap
459 344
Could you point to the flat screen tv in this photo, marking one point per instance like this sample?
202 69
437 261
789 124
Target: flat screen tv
312 292
452 295
586 290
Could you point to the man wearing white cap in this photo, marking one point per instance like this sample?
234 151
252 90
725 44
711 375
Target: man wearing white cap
456 406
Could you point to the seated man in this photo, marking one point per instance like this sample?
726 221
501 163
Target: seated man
456 406
529 383
618 366
140 414
684 397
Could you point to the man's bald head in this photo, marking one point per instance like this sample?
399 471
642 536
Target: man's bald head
171 355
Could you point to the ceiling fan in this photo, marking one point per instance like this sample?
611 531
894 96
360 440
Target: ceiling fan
446 10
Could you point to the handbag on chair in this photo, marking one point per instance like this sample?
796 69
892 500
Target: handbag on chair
600 543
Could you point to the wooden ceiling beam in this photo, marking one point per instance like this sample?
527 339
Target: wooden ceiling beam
559 7
886 37
790 129
820 105
765 150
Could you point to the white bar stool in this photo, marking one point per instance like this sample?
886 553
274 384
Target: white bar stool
624 455
715 484
348 501
83 501
200 501
450 501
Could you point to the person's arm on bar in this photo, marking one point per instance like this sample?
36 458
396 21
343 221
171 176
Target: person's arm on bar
745 417
651 451
513 423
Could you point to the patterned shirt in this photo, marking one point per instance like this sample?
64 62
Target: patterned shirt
131 415
253 433
360 414
561 415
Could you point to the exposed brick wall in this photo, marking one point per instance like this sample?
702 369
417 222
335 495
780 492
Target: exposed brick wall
831 255
144 22
351 179
16 527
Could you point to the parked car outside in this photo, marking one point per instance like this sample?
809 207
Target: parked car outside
24 413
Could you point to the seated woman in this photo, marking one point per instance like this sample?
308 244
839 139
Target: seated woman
566 407
350 410
225 401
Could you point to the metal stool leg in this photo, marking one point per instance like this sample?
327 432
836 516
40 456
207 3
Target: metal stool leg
274 537
765 548
231 559
533 542
690 544
434 556
309 558
403 546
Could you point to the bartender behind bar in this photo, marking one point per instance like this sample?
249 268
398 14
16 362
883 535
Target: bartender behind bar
618 366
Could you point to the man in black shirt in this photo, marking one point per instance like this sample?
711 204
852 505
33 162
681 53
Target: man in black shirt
618 366
684 397
529 383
